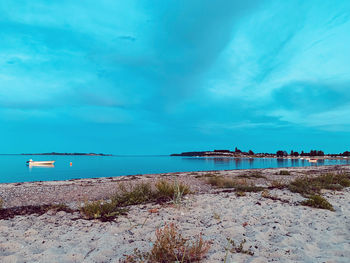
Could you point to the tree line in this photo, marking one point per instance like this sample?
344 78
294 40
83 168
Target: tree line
281 153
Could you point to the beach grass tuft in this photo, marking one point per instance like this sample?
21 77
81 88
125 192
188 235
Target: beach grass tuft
255 174
206 175
166 191
233 248
133 194
318 201
278 184
103 210
284 172
238 185
171 246
310 186
128 195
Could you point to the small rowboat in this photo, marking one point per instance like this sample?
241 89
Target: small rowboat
40 163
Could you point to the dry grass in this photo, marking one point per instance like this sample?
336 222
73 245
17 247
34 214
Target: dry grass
171 246
1 203
265 194
240 194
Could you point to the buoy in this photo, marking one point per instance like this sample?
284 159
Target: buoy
70 163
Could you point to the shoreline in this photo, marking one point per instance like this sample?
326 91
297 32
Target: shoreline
275 226
79 190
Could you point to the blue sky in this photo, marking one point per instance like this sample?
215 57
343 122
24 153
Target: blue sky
138 77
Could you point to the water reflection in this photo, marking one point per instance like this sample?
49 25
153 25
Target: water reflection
251 163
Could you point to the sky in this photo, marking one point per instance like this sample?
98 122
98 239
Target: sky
159 77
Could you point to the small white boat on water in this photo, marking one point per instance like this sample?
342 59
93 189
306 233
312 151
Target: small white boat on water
40 163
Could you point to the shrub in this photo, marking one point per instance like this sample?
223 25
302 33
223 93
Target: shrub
284 172
318 201
311 186
171 246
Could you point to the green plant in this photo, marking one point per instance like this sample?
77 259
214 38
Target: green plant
278 184
128 195
221 182
239 186
310 186
318 201
179 191
133 195
167 191
205 175
105 211
1 203
171 246
284 172
255 174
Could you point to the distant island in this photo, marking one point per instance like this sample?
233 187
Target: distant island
54 153
238 153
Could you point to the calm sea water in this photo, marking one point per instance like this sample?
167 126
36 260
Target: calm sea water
14 169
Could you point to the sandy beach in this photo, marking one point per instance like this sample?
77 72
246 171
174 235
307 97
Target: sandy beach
276 229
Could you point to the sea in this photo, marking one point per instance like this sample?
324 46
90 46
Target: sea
13 168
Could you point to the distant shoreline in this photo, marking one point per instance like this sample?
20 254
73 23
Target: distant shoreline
79 154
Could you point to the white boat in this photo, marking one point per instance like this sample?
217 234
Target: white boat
40 163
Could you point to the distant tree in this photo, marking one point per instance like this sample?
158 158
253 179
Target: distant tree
291 153
237 150
250 152
346 153
280 153
296 154
320 153
302 153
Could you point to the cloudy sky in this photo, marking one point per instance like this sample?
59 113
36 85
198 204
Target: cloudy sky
139 77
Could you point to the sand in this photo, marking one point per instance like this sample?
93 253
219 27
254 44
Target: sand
275 230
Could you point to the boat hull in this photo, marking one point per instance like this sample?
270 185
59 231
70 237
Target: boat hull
41 163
